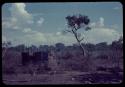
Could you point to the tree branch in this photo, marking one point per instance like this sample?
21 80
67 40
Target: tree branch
69 31
82 39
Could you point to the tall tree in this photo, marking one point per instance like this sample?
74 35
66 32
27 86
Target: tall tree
75 23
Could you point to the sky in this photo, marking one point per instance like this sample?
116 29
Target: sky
43 23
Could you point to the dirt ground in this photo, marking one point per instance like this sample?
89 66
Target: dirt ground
57 78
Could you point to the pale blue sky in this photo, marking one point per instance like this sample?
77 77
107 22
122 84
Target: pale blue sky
48 19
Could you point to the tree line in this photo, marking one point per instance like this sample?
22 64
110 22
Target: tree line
115 45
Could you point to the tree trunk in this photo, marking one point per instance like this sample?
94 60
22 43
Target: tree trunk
83 50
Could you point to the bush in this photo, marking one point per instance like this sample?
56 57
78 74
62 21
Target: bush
10 70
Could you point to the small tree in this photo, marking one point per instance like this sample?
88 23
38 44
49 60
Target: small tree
75 23
5 46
